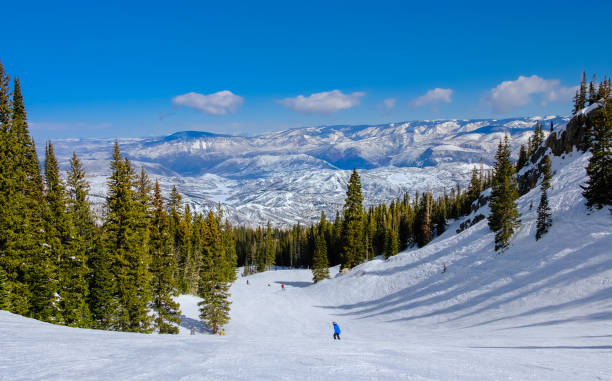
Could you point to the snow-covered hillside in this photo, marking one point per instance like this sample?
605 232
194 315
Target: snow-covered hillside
293 175
537 311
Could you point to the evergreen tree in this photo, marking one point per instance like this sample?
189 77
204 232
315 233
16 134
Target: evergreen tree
441 216
102 286
269 247
213 288
544 220
320 264
593 93
598 189
424 220
69 251
162 269
184 251
604 90
36 267
581 95
229 243
353 250
4 295
127 248
522 159
504 217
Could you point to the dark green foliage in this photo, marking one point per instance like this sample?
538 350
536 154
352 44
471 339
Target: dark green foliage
269 247
4 294
68 249
544 221
581 95
424 223
213 286
127 247
102 286
522 160
598 189
504 217
30 265
353 250
320 264
163 266
593 92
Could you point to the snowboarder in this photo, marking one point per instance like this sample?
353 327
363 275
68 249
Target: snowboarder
283 286
336 331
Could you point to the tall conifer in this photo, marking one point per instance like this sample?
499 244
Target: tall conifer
504 217
214 288
163 268
353 250
544 220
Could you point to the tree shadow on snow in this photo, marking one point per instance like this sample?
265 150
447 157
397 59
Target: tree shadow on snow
473 289
295 284
552 347
190 323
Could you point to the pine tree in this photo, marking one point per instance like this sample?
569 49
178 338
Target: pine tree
593 93
27 209
544 220
424 220
504 217
4 294
320 263
522 159
598 189
103 303
229 243
353 250
213 288
184 250
12 203
581 95
473 191
162 269
69 251
128 251
269 247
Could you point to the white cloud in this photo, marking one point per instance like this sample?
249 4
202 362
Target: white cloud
326 102
433 97
220 103
511 95
389 104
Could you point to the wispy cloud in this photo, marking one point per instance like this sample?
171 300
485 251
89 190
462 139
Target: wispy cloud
433 97
511 95
325 103
389 104
220 103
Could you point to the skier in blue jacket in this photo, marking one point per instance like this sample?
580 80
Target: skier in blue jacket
336 331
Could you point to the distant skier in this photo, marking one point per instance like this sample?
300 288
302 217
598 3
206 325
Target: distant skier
336 331
283 286
248 282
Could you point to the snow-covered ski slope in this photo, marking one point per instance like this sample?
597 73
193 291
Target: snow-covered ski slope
538 311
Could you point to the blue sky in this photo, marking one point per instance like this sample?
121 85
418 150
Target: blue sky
108 69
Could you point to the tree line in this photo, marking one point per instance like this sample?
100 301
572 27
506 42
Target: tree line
357 234
57 264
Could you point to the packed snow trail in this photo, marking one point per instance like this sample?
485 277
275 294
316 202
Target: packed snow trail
538 311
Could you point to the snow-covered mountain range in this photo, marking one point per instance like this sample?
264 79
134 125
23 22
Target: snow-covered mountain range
291 176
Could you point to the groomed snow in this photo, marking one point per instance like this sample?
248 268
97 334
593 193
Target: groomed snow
538 311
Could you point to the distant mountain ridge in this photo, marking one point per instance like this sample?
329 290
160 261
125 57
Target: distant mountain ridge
291 176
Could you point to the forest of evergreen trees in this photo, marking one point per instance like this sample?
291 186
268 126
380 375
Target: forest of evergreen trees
57 264
123 270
